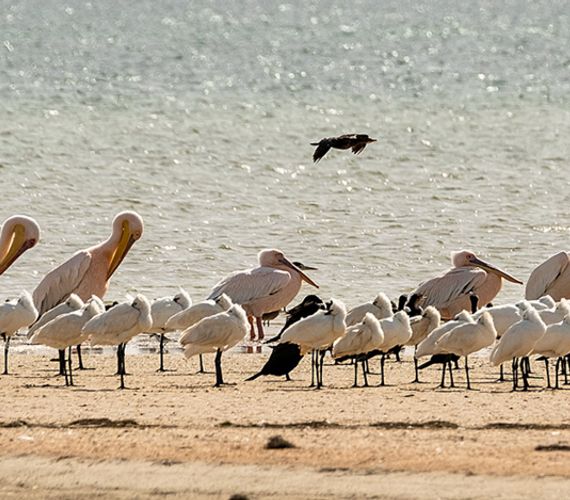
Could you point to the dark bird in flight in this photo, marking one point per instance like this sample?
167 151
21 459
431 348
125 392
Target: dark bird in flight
356 142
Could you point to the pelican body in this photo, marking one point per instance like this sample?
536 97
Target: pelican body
18 234
88 271
450 292
266 288
356 142
552 277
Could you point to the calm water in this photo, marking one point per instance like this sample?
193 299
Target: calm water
198 116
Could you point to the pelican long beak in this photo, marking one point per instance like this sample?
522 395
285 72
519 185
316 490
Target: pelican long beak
16 247
488 267
125 243
290 264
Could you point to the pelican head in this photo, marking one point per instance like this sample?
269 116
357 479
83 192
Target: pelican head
127 228
466 258
19 233
276 259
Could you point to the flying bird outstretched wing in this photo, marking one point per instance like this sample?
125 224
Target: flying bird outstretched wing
322 149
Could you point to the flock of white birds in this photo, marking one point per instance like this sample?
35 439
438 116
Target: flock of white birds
515 331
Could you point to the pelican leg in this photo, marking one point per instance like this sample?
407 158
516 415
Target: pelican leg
451 383
161 354
547 373
251 328
219 378
260 332
6 347
467 374
69 368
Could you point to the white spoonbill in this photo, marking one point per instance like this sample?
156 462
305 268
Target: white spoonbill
468 338
359 339
64 331
18 234
216 333
380 307
545 302
118 325
263 289
422 326
15 315
317 333
397 332
555 343
470 275
552 277
73 303
161 311
196 312
518 342
556 314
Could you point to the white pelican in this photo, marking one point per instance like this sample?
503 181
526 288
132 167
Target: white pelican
18 234
263 289
15 315
88 271
317 333
451 292
552 277
359 339
161 311
216 333
118 325
190 316
422 326
468 338
380 307
555 343
64 331
518 342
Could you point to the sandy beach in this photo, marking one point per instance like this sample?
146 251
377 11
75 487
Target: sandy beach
174 433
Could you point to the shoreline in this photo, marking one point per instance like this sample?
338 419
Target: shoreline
179 421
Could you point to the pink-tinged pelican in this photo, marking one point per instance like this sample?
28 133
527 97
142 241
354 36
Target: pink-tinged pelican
266 288
88 271
450 292
18 234
552 277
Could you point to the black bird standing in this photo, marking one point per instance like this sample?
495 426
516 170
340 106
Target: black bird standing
285 357
356 142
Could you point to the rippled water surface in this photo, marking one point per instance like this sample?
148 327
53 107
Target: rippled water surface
198 115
